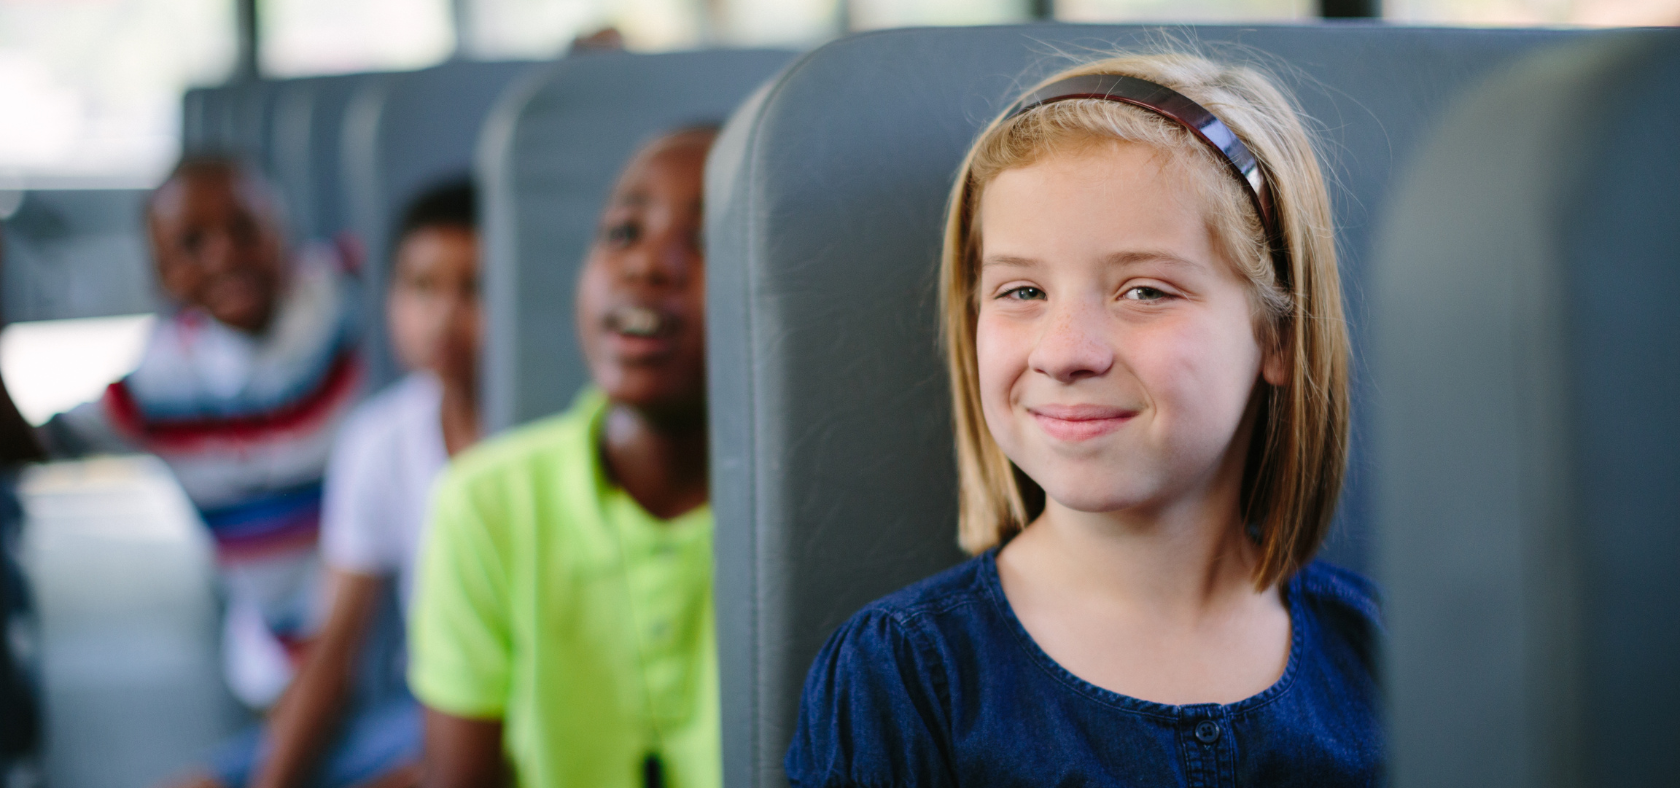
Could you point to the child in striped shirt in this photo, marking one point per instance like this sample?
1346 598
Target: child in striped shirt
240 390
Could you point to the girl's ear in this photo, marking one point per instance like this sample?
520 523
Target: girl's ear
1275 365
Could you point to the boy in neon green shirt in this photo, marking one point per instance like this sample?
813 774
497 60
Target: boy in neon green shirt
563 613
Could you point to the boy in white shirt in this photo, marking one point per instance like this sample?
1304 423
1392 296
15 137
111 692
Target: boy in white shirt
327 730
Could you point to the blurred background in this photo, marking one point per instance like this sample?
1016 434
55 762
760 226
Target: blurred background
92 88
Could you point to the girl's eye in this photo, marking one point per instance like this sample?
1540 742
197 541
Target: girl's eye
1144 293
1025 293
623 233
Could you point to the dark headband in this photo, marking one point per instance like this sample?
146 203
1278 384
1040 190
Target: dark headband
1170 104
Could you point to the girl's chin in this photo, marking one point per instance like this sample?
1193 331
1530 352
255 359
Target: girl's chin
1096 506
1095 493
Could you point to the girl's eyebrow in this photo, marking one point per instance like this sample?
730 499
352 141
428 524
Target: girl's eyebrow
1008 260
1138 257
1133 257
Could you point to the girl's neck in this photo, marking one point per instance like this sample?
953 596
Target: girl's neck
1161 608
459 414
660 462
1186 561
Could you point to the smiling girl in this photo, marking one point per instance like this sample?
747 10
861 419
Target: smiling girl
1144 329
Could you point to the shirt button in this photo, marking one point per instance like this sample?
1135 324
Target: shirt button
1207 731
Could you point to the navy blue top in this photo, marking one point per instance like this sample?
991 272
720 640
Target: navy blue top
939 684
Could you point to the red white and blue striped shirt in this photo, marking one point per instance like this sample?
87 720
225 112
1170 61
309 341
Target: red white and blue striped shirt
246 424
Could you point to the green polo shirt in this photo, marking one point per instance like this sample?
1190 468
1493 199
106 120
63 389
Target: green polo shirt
548 598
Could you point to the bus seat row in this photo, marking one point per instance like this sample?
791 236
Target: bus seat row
308 149
230 119
402 134
833 470
348 151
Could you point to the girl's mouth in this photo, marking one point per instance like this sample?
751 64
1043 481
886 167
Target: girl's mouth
1075 423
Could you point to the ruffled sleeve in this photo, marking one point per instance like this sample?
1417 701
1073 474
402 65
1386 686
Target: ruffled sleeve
875 708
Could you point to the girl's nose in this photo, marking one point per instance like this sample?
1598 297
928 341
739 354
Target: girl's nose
1073 344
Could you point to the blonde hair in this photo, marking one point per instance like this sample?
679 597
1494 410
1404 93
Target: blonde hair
1299 450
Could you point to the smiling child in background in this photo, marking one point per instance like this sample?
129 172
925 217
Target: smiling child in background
240 390
563 613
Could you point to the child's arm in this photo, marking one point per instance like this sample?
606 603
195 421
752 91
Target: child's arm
82 430
359 537
307 716
18 443
17 439
463 753
460 648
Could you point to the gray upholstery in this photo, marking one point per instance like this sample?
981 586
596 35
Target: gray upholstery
1525 331
833 473
307 144
206 119
201 113
82 253
292 129
230 119
549 157
76 253
402 134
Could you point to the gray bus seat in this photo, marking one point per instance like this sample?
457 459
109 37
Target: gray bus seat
82 253
401 134
549 156
76 253
234 119
292 129
206 118
1524 305
307 143
833 474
